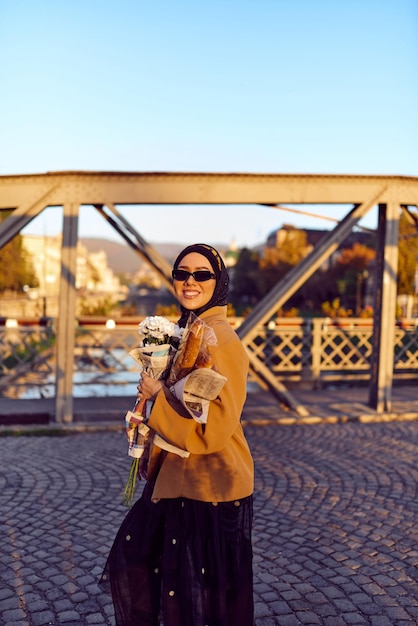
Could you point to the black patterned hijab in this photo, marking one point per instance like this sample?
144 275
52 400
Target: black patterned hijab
220 295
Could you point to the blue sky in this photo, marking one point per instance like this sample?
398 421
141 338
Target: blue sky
299 86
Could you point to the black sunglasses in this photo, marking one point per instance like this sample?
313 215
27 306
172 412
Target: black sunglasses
200 276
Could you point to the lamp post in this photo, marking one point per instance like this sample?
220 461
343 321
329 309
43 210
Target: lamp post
361 278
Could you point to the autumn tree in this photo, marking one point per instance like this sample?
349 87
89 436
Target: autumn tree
255 276
276 262
408 255
16 264
356 258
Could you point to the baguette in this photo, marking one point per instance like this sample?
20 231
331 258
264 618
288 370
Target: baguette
204 360
187 357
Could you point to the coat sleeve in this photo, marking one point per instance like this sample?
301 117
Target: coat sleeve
168 419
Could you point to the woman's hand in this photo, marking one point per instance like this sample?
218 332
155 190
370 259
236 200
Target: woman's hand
148 387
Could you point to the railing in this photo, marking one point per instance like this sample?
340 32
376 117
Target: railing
323 349
27 351
294 349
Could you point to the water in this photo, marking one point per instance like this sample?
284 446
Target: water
120 379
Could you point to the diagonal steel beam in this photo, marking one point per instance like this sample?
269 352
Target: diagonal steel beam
310 214
299 274
22 215
411 217
287 287
137 242
275 386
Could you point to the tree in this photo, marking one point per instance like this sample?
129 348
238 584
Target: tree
245 279
350 273
320 287
408 255
276 262
356 258
16 264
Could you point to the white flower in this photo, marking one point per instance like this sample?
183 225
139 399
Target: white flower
158 330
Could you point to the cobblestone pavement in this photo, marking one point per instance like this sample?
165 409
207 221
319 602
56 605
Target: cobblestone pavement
335 535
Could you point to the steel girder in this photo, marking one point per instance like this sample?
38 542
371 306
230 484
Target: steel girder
380 390
189 188
66 318
137 242
29 194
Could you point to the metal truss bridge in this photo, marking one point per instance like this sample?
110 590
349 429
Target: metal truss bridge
28 195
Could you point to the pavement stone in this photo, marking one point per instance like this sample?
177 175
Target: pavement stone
335 530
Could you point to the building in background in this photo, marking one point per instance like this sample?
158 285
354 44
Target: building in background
94 276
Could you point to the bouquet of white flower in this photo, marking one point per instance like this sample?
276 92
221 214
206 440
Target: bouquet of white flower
159 340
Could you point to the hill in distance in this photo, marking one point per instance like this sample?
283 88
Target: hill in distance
122 259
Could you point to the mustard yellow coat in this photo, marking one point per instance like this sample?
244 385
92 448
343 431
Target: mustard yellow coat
220 466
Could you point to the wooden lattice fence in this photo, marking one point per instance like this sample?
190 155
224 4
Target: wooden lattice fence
294 349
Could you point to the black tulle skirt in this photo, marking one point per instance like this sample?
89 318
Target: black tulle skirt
181 562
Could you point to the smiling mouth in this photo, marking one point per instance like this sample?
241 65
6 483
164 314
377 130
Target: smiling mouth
190 294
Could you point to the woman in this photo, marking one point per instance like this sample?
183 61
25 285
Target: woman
183 553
